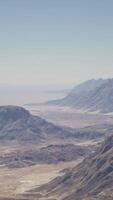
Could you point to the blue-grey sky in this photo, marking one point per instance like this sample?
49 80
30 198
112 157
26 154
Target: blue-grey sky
55 41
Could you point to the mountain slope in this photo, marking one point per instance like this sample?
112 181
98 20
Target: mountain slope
16 123
87 86
93 95
90 180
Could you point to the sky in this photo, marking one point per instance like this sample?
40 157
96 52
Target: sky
55 42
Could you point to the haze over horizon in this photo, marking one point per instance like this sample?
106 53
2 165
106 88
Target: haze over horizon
55 42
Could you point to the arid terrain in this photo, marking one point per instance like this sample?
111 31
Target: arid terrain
33 152
46 150
70 117
56 100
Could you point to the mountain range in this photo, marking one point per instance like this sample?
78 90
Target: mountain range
28 140
17 123
39 141
92 95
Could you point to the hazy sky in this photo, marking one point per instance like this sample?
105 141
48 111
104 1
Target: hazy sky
55 41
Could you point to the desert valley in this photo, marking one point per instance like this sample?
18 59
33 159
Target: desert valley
55 151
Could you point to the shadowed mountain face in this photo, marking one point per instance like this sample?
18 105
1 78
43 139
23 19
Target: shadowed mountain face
16 123
93 95
12 113
90 180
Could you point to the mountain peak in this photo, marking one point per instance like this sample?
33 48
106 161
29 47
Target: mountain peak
12 113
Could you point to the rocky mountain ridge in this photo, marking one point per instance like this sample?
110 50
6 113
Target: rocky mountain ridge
91 96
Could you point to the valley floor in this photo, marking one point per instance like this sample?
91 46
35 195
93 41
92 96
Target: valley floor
14 182
69 117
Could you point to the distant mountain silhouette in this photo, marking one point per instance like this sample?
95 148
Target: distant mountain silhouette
93 95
